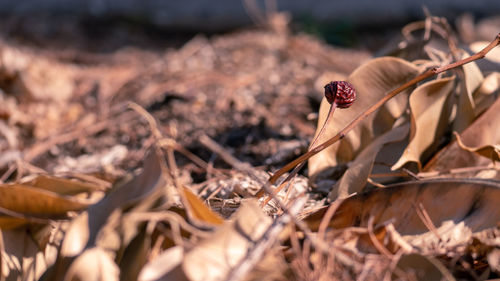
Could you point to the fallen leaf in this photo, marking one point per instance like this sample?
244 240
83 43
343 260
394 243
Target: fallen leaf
466 107
372 81
135 256
491 152
131 238
214 257
61 185
494 260
354 178
429 118
483 132
419 267
93 265
197 210
22 258
20 204
166 267
487 92
457 208
83 230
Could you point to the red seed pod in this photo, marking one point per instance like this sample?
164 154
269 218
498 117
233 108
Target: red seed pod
340 92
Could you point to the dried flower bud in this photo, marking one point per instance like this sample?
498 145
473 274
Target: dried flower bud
341 93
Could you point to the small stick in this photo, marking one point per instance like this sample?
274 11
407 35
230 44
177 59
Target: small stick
429 73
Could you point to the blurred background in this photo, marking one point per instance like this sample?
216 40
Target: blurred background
339 22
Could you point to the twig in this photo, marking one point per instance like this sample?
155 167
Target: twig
168 142
153 124
373 108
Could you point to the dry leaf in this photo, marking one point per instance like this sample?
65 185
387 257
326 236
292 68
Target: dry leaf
491 152
84 229
354 179
131 238
197 210
22 257
494 260
372 81
429 117
418 267
99 227
61 185
20 204
135 256
93 265
483 132
466 106
37 202
166 267
487 92
213 258
456 207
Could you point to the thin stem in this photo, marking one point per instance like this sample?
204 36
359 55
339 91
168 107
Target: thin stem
350 126
333 106
373 108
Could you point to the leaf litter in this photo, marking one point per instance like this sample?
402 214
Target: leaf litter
145 165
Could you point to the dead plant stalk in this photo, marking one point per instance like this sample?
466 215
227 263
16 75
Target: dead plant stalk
429 73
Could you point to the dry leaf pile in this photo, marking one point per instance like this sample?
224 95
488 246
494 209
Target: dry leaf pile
144 165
